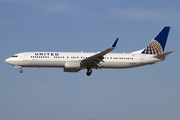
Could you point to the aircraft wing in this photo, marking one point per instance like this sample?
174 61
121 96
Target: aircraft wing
95 59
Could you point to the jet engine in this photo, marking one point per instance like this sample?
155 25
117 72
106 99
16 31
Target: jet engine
72 66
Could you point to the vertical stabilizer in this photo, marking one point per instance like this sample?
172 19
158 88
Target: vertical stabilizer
157 45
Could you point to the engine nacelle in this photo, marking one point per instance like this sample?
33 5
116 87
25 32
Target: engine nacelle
72 66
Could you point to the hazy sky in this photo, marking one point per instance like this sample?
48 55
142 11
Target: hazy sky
144 93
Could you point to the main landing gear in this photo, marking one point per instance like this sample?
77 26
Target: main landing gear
89 71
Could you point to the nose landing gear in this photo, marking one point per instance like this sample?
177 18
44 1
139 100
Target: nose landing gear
21 71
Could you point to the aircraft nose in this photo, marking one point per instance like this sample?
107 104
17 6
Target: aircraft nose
7 60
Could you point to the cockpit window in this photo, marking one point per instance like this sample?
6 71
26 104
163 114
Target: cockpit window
15 56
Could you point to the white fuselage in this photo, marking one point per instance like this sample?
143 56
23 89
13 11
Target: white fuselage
58 59
75 61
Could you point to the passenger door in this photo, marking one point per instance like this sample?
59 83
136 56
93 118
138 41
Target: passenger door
24 57
141 58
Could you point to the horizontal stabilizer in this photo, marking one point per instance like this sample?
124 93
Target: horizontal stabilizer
163 55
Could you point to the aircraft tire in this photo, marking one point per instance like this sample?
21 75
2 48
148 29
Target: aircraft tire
89 72
21 71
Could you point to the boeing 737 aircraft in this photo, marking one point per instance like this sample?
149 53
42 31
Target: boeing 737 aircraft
74 61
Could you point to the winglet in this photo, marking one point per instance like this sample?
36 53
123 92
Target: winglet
114 44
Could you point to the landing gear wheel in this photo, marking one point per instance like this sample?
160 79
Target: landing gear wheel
89 72
21 71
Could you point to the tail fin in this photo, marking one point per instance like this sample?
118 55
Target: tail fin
157 45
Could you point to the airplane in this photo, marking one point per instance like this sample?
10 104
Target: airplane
76 61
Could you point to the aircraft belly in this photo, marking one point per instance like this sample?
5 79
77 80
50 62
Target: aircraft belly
120 65
45 64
